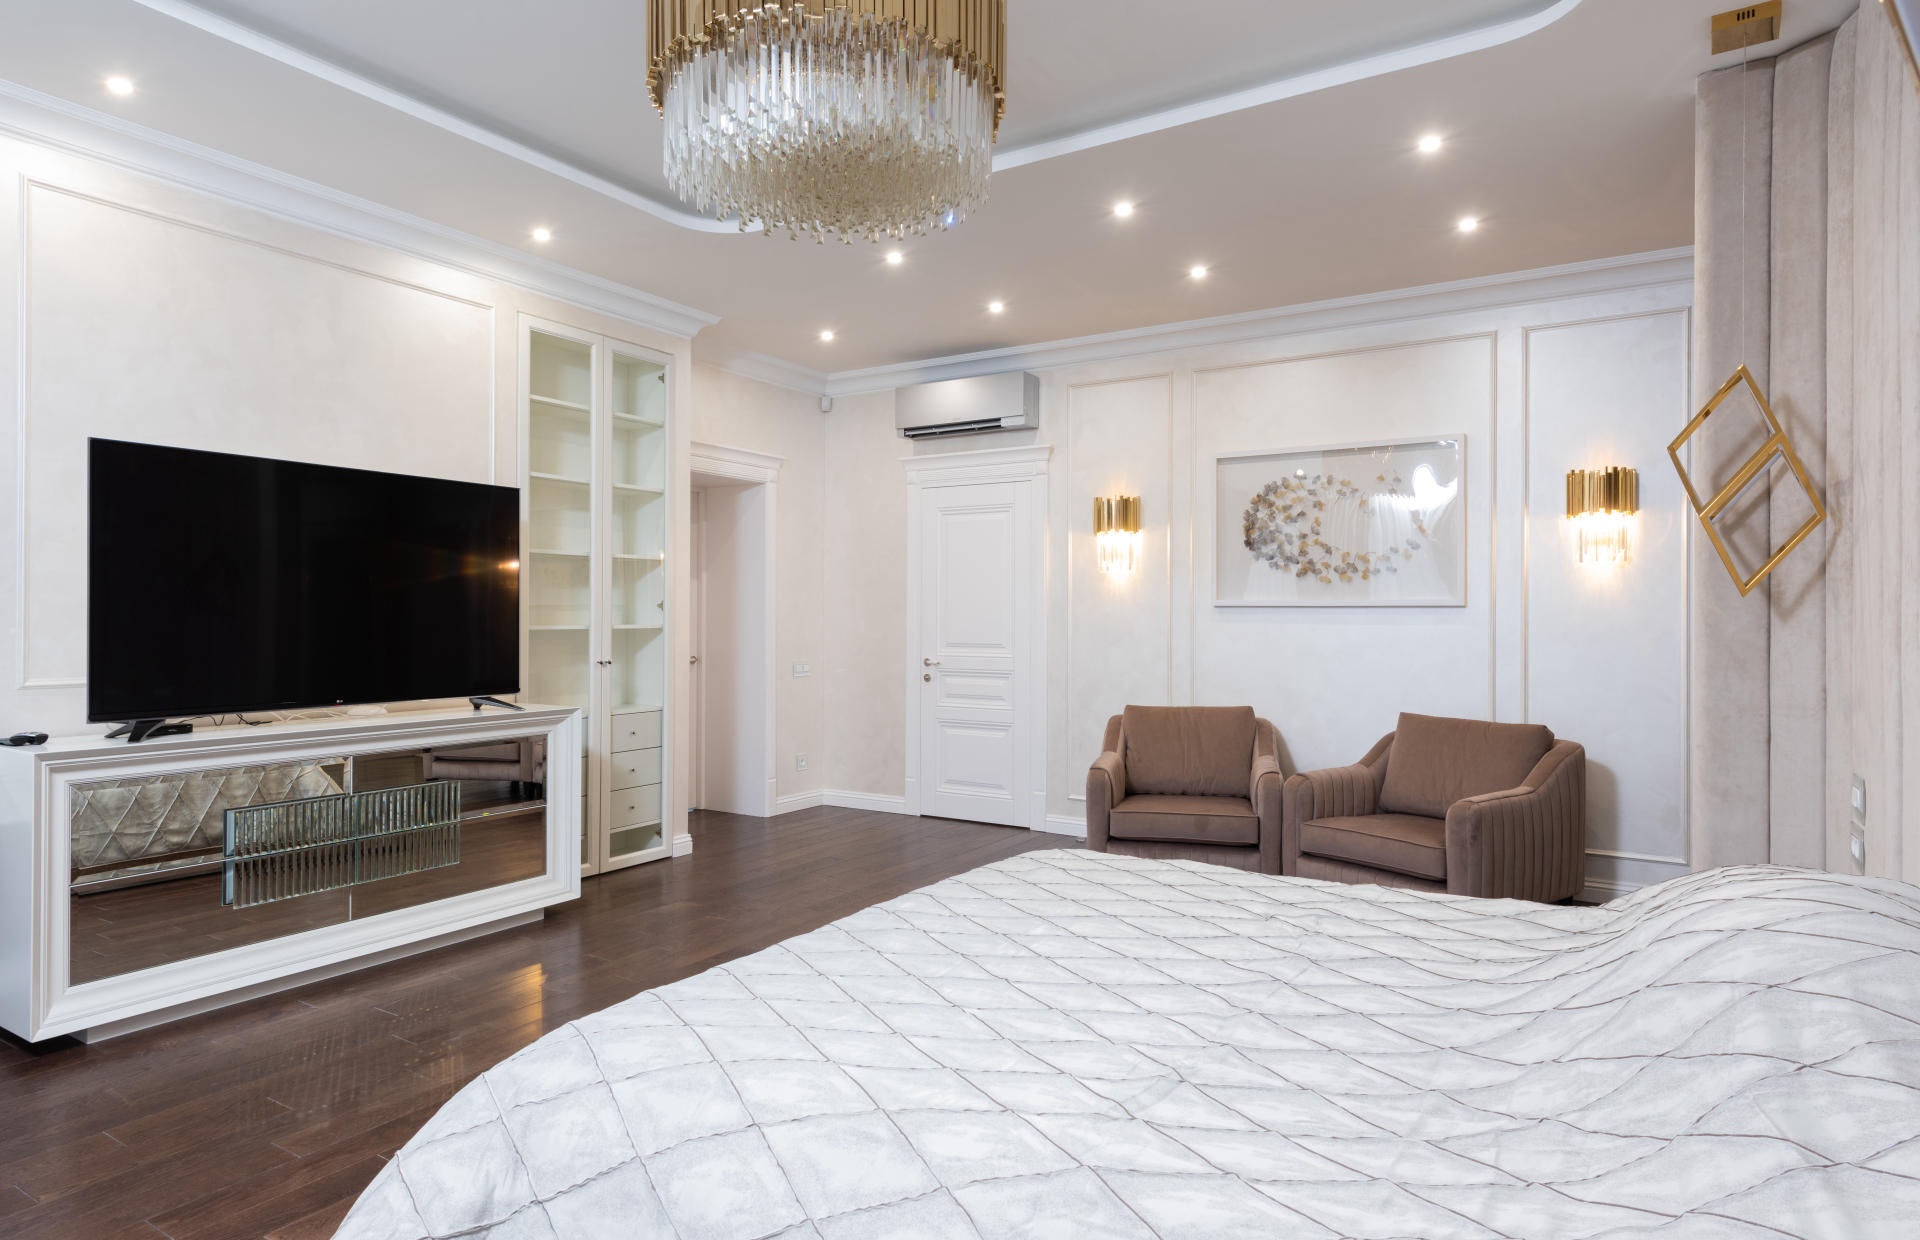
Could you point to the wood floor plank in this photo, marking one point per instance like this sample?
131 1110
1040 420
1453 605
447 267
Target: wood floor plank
264 1121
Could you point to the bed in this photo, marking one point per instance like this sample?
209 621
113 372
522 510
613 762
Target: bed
1071 1044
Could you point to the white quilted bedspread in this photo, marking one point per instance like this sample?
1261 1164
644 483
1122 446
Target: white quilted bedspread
1074 1044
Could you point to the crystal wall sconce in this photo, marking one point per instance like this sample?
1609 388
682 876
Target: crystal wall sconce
1735 517
1116 533
1602 505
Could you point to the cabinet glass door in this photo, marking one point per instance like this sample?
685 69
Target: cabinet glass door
559 552
636 594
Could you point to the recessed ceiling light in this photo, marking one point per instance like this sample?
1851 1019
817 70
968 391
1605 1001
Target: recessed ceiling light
120 84
543 235
895 258
1198 271
826 336
1431 143
1123 208
1469 223
996 307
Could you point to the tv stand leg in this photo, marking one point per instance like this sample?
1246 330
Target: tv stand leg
137 730
478 702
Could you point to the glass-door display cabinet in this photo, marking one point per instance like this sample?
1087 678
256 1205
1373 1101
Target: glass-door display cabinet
594 571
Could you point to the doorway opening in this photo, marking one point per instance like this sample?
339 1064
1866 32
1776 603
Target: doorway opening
731 647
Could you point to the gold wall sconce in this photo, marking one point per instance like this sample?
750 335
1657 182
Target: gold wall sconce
1602 504
1116 533
1774 449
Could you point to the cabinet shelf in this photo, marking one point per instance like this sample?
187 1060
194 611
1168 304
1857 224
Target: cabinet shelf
594 473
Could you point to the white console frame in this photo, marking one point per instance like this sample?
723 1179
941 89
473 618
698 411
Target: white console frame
37 999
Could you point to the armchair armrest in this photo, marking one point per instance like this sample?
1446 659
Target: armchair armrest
1528 842
1266 792
1336 792
1106 785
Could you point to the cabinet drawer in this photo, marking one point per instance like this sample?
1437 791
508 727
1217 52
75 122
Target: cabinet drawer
634 768
631 807
638 730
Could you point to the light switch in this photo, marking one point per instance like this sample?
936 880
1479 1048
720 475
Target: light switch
802 668
1859 797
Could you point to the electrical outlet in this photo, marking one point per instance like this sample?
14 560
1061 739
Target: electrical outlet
799 762
802 668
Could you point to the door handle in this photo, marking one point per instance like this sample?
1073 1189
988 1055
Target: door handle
693 658
929 663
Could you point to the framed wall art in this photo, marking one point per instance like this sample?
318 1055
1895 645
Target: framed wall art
1352 525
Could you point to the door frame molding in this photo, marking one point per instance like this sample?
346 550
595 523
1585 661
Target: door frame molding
1028 464
750 468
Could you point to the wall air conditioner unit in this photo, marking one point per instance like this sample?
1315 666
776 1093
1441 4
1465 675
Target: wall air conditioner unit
1007 402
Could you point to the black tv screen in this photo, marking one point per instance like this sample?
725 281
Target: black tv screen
220 584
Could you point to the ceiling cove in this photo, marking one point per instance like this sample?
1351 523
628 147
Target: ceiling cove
662 207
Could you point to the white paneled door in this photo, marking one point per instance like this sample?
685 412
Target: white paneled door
977 603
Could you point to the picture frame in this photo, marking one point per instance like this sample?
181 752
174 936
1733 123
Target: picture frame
1379 523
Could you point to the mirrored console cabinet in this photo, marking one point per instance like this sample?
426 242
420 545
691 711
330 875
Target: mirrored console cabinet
595 460
143 881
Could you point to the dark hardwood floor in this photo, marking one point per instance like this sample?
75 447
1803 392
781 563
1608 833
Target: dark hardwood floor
268 1118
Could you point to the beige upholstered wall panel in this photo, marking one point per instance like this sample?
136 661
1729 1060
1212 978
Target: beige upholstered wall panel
1732 218
1796 593
1837 627
1874 444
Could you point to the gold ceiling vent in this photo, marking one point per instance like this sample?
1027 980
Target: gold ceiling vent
1748 27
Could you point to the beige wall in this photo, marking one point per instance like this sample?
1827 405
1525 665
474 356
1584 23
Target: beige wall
1537 388
734 412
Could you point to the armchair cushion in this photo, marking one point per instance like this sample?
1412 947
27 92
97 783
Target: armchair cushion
1198 751
1435 762
1403 843
1185 820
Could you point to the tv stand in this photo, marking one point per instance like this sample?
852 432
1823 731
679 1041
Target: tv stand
478 702
137 730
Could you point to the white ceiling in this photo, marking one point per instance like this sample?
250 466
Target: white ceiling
489 116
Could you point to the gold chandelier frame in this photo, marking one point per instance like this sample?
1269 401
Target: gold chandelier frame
972 32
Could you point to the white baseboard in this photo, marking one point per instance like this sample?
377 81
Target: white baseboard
878 802
682 844
1601 890
1066 824
798 800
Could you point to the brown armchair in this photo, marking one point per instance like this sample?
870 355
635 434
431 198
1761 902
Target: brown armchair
1194 783
1454 805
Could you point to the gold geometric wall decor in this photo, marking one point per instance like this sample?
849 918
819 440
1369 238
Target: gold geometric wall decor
1774 448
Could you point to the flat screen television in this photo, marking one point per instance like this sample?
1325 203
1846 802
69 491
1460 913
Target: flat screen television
220 584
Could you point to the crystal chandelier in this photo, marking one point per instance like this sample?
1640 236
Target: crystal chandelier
857 118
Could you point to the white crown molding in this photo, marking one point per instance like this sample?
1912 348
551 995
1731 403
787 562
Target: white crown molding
58 124
1443 48
762 368
327 71
1607 275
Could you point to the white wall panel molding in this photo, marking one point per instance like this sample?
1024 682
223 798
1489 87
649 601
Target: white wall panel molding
56 124
252 279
